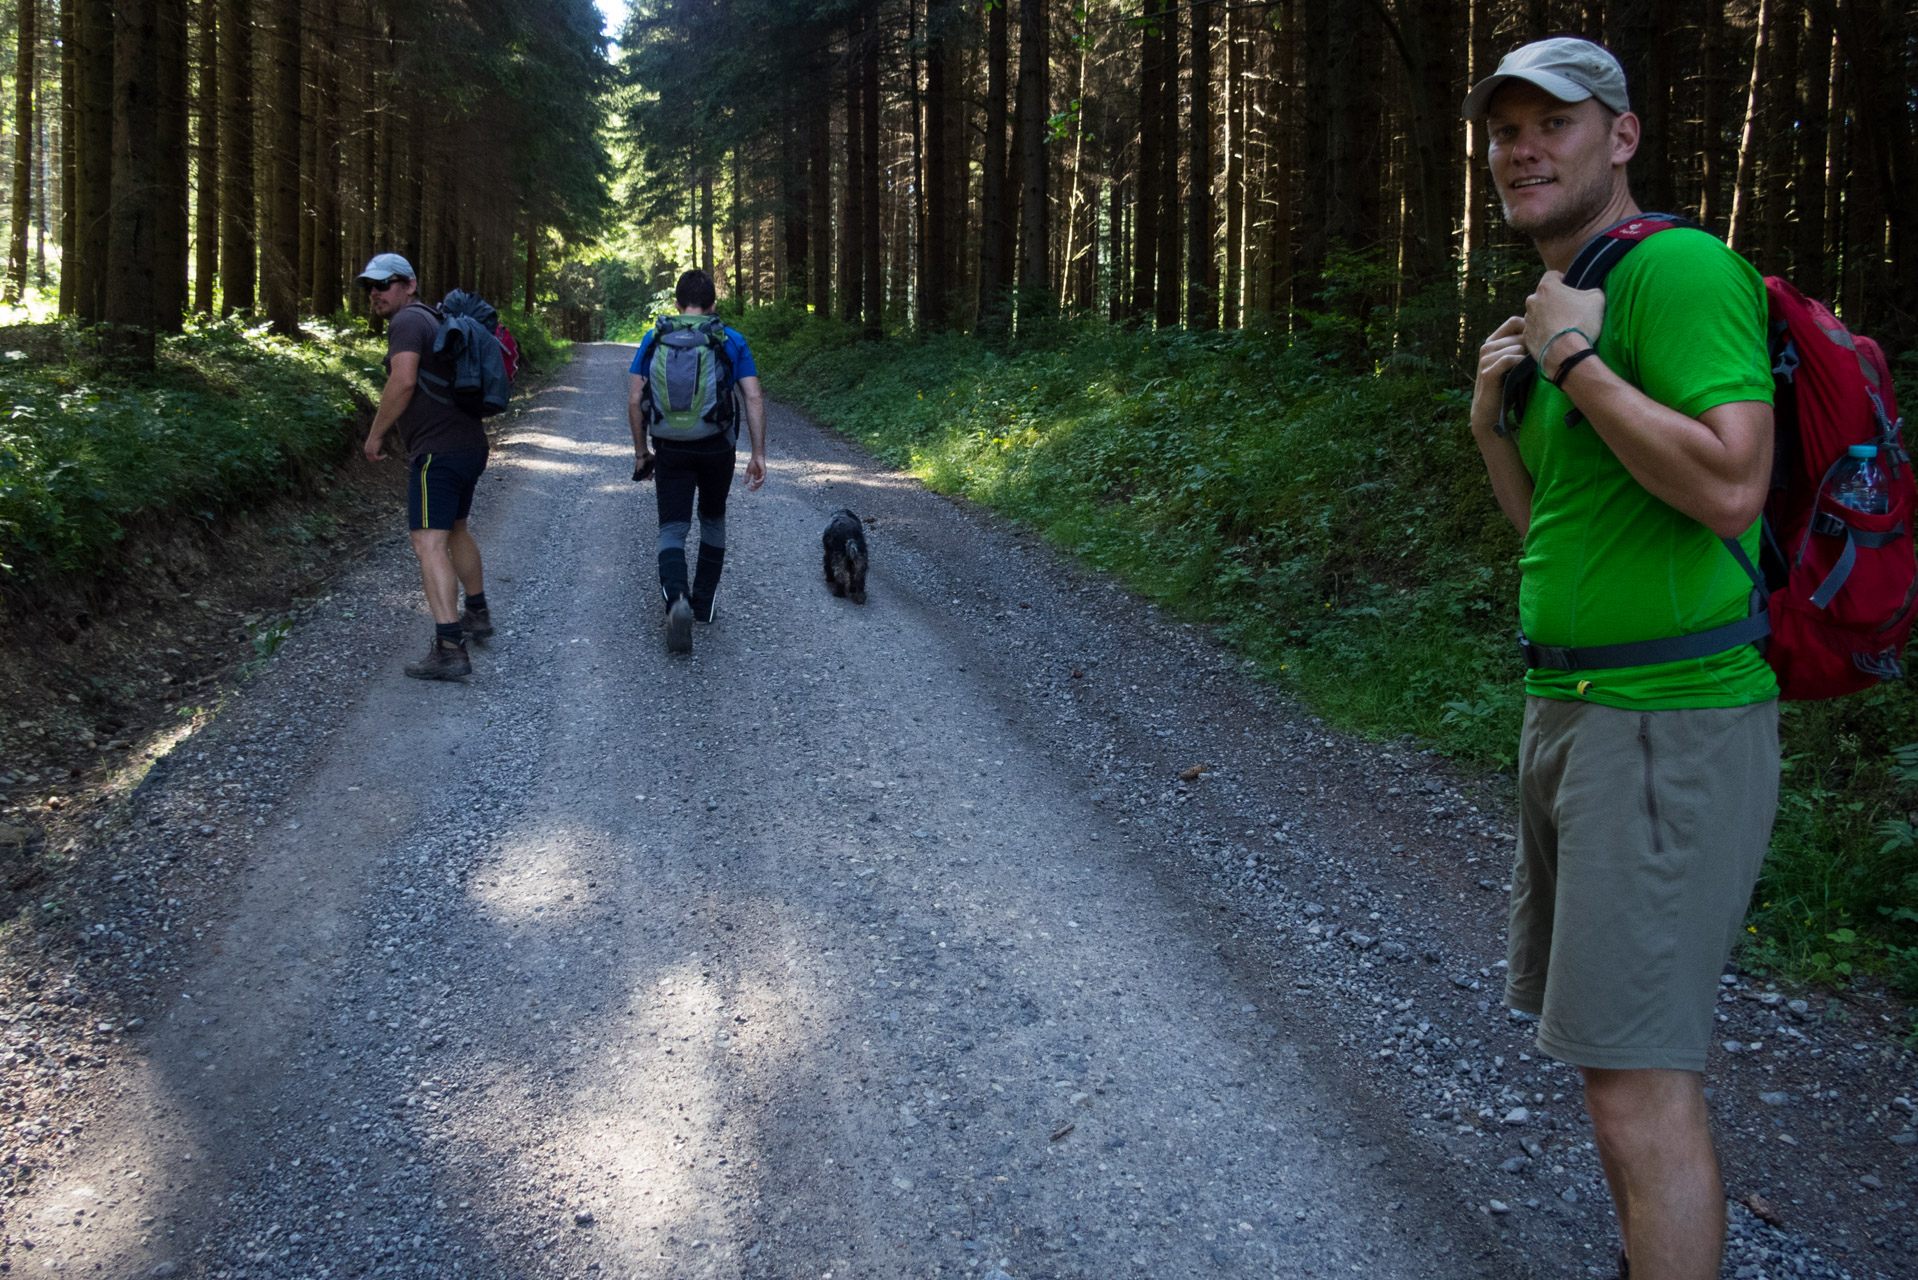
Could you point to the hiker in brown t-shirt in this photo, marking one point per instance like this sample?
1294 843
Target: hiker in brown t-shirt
447 449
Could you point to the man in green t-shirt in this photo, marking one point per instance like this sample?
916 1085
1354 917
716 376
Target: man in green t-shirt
1646 790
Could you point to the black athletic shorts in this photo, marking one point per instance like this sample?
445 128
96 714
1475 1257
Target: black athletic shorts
441 489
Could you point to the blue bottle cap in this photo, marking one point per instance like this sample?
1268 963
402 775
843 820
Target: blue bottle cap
1863 451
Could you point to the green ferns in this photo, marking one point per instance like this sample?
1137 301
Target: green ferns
229 417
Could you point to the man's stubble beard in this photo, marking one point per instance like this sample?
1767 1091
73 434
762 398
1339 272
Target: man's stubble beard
1585 207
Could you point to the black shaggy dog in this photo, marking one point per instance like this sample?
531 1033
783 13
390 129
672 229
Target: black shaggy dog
846 556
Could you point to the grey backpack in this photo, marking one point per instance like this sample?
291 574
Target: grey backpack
689 380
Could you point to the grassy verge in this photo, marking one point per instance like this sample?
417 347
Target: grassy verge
1336 526
229 418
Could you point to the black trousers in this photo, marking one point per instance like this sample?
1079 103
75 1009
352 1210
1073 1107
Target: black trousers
685 476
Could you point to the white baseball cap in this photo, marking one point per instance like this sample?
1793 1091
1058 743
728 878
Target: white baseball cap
1566 67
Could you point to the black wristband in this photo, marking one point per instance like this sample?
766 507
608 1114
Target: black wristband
1565 366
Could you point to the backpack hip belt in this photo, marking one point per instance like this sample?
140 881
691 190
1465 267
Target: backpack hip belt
1644 653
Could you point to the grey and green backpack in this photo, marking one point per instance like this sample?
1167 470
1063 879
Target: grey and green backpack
689 380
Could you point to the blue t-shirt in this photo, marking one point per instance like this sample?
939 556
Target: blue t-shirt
736 351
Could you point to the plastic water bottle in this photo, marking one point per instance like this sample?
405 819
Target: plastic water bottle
1860 482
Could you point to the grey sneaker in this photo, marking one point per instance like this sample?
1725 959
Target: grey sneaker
679 626
446 660
478 623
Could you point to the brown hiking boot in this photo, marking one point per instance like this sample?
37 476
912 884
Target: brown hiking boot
446 660
477 623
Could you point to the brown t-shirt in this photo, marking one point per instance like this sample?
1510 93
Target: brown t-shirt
429 424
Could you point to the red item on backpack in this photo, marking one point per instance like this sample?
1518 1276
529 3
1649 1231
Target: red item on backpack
510 349
1843 612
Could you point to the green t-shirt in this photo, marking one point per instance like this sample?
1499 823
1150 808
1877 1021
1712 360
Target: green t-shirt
1605 562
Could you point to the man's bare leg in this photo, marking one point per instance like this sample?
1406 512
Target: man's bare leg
436 573
466 559
1654 1139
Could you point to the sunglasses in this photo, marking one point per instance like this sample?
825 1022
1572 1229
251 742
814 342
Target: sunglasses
383 285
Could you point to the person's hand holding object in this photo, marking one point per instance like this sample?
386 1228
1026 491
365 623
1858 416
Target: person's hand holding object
1554 308
1504 349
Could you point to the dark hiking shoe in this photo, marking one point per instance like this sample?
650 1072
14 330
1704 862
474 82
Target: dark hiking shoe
679 626
446 660
702 609
478 623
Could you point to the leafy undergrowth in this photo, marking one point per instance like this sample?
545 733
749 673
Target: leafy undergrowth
229 418
1336 526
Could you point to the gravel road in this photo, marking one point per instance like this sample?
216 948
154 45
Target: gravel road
866 942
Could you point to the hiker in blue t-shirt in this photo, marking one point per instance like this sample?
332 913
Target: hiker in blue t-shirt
689 377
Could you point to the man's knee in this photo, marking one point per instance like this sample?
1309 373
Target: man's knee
427 542
672 534
1628 1107
712 531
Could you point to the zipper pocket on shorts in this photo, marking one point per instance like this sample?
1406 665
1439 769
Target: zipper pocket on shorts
1651 787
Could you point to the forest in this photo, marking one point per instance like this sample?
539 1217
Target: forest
939 163
176 157
1191 286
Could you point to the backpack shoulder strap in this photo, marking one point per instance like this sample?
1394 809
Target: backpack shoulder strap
1588 271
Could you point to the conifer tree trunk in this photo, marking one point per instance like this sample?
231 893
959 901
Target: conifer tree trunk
1280 293
1711 197
170 242
1167 289
1035 273
1478 192
875 283
958 166
1781 110
733 219
44 190
1232 291
280 261
240 219
69 103
852 219
992 191
312 126
239 252
819 192
1151 168
26 39
206 211
1201 297
93 148
130 221
1815 81
795 203
327 272
706 219
531 297
1745 188
935 253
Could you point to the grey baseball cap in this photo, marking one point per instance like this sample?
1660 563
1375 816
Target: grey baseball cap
1569 69
384 266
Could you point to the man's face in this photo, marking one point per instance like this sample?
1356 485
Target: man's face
387 297
1554 162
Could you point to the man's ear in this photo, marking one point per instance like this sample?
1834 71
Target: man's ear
1626 131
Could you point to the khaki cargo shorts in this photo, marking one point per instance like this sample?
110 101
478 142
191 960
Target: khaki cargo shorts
1640 837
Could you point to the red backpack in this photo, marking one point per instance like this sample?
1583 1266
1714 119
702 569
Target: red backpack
1832 608
1842 581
